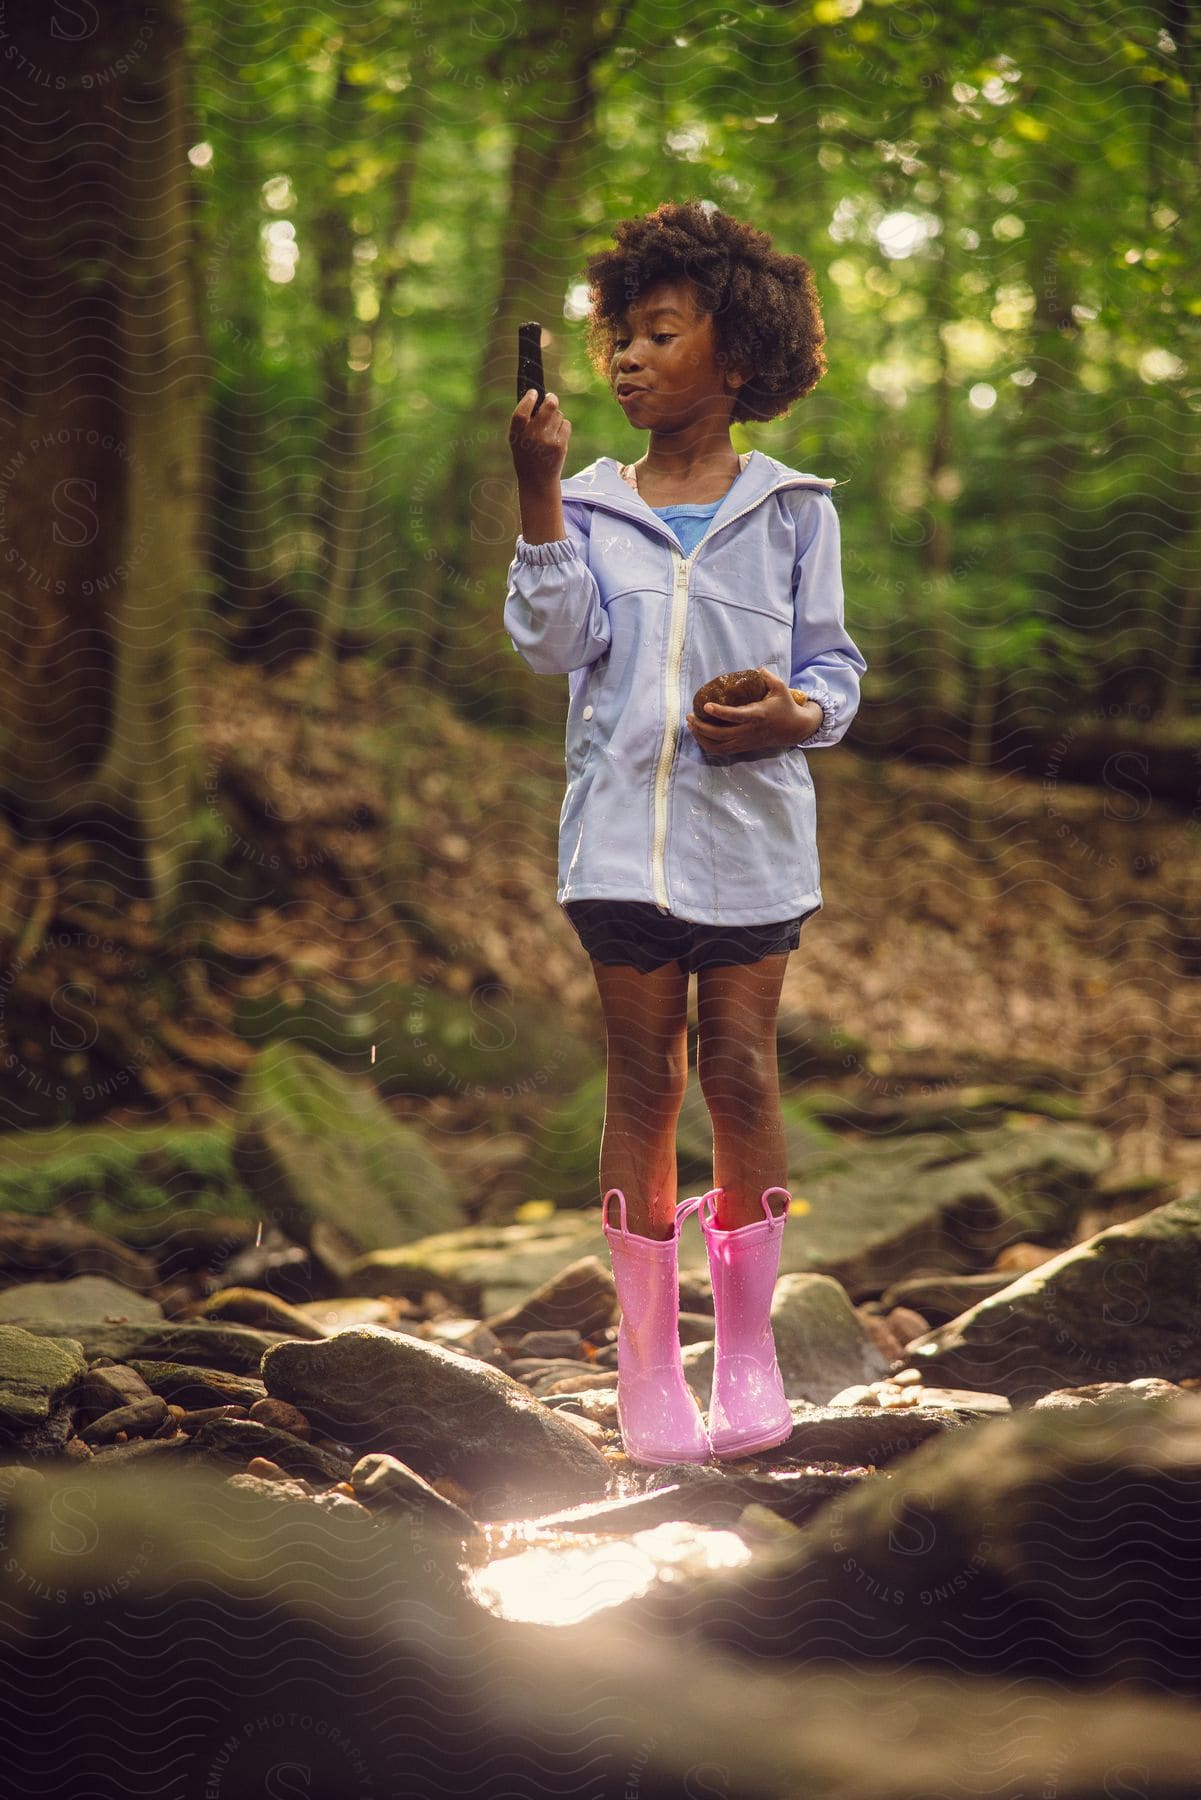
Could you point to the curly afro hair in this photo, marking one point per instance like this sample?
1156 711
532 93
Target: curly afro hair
766 313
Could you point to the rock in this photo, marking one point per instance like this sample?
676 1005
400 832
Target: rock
266 1312
951 1202
696 1328
382 1480
552 1345
1067 1399
599 1406
1015 1259
233 1347
30 1247
265 1479
192 1421
191 1386
876 1212
152 1451
1123 1304
282 1417
604 1381
428 1040
847 1434
541 1374
274 1265
107 1386
64 1303
704 1496
738 687
580 1298
366 1618
35 1371
337 1313
241 1440
265 1470
466 1334
441 1414
488 1269
905 1324
696 1292
309 1137
139 1419
821 1343
944 1296
697 1361
968 1403
996 1549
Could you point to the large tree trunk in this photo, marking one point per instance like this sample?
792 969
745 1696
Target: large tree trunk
102 413
476 512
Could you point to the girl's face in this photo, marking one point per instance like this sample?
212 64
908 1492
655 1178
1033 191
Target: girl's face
666 368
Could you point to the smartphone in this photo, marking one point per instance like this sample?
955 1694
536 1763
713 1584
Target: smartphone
529 362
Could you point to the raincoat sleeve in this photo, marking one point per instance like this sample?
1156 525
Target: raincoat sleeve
826 662
553 611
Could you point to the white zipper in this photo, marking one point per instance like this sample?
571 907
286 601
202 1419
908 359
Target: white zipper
671 713
671 692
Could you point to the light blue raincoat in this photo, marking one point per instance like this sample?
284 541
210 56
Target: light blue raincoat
637 627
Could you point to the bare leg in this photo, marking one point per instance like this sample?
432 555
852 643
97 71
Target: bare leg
646 1027
740 1079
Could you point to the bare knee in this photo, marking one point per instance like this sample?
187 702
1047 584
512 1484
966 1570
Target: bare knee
738 1079
652 1071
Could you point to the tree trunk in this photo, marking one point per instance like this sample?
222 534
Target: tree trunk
152 761
107 460
476 511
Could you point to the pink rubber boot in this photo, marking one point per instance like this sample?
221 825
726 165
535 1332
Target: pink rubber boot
748 1409
659 1417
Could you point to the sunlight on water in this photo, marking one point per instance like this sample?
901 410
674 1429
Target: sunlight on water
566 1582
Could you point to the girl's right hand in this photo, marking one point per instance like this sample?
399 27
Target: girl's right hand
539 445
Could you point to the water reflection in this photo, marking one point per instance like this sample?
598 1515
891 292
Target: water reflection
565 1581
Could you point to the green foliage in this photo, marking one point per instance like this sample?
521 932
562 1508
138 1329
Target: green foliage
999 204
132 1183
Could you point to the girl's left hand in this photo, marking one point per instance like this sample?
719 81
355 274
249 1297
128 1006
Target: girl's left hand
774 723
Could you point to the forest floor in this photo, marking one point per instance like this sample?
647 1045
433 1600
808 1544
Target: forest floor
997 920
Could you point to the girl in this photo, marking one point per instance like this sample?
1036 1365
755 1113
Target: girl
689 844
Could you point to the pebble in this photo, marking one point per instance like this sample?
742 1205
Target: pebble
192 1421
141 1418
283 1416
266 1470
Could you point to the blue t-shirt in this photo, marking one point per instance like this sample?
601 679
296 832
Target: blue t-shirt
690 523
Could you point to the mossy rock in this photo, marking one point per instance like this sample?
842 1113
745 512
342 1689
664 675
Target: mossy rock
427 1041
326 1160
132 1182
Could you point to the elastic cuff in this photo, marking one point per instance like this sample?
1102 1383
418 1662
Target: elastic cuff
828 729
559 550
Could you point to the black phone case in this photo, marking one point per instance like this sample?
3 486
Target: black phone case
529 362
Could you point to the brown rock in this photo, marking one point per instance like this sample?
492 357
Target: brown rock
193 1421
29 1247
1015 1259
266 1470
905 1324
282 1416
580 1298
551 1344
107 1387
439 1413
266 1312
886 1340
741 688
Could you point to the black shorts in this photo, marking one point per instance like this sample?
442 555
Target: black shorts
634 934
